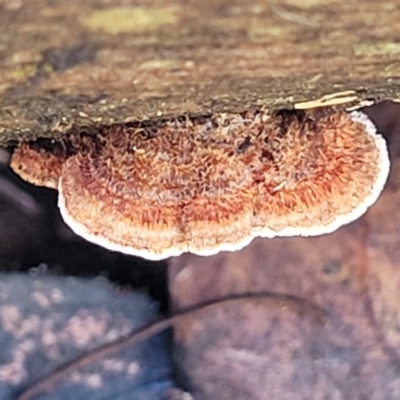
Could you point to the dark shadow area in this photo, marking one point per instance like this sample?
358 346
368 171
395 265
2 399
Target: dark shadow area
33 234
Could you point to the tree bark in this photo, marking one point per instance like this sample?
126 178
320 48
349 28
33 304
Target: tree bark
66 66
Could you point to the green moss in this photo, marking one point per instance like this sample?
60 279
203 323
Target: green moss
130 19
376 48
22 73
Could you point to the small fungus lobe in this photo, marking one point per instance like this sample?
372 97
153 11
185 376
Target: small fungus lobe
206 184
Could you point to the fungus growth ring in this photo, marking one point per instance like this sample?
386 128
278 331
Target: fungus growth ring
206 184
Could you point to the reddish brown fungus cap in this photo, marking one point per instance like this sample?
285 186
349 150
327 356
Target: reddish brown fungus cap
204 185
37 165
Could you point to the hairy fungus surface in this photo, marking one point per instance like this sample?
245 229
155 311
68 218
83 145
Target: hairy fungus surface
37 165
210 183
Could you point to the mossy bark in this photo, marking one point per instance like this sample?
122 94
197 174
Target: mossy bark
67 66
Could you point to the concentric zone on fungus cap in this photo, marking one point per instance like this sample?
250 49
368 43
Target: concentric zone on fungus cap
205 184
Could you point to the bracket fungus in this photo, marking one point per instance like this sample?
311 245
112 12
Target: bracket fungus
205 184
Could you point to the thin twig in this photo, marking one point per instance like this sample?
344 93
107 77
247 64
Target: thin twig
46 383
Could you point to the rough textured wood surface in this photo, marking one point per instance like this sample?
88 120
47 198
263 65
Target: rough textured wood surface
269 347
72 65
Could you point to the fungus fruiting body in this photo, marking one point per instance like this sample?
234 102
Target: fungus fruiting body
206 184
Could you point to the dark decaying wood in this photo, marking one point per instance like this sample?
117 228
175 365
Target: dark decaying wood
67 66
